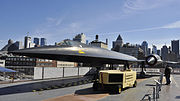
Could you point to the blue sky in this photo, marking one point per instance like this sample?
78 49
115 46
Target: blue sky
156 21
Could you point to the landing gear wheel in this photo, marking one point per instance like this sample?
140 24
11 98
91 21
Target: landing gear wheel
135 84
95 86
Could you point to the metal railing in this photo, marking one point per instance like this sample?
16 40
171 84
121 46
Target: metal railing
158 70
156 90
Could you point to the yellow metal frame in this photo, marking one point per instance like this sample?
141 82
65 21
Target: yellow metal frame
129 77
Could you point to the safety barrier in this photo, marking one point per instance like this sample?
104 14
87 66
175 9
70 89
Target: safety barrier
59 72
156 90
157 70
176 71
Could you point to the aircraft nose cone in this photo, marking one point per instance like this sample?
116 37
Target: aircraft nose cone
151 60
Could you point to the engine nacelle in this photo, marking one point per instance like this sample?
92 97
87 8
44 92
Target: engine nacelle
153 59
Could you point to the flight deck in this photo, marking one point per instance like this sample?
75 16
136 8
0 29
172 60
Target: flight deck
82 91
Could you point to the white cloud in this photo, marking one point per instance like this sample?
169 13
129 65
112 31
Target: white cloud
49 19
57 29
168 26
140 5
129 31
172 25
143 4
140 30
54 21
131 7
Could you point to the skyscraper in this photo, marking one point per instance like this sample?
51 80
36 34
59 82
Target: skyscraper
154 49
36 41
149 51
159 52
144 47
43 41
18 44
87 43
164 52
118 43
175 46
27 41
80 38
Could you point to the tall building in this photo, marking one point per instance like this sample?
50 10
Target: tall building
159 52
175 46
118 43
27 41
149 51
154 49
36 41
80 38
164 52
26 65
87 42
98 43
43 41
133 50
18 44
144 47
172 57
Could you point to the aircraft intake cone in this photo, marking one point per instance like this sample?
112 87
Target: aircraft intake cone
151 60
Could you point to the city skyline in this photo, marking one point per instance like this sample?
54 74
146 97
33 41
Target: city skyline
155 21
33 42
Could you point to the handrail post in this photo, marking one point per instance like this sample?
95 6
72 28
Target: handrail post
154 94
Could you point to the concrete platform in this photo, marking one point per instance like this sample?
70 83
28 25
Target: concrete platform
171 92
84 92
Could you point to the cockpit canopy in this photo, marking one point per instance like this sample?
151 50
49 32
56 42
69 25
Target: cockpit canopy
71 43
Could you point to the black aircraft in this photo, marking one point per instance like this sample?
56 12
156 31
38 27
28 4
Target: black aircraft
73 51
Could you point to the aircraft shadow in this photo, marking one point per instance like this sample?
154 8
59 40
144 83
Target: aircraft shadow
88 91
29 87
